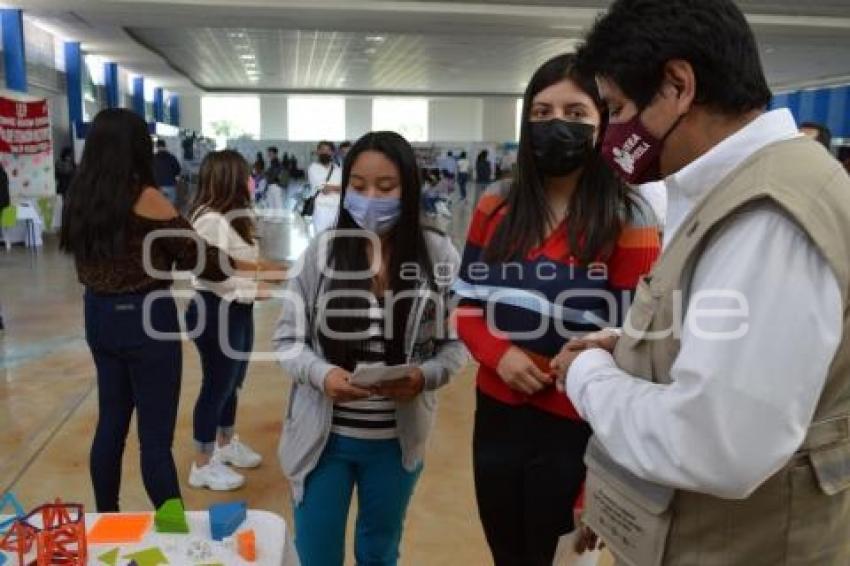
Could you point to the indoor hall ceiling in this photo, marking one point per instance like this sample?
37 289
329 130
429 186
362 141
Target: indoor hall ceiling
406 46
225 59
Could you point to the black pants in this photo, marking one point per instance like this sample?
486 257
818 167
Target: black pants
135 371
223 375
529 470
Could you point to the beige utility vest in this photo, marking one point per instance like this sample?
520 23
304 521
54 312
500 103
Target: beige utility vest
801 515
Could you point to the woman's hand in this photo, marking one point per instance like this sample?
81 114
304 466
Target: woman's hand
404 389
339 388
520 373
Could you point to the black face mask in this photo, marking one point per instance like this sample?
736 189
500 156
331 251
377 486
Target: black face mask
324 159
560 147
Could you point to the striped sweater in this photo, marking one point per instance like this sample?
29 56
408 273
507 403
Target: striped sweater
537 302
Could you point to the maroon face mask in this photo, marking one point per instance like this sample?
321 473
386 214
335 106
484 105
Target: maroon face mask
633 152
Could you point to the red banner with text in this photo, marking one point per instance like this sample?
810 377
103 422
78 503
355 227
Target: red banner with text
24 127
26 150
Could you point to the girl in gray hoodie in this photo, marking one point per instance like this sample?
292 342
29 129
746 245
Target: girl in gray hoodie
375 291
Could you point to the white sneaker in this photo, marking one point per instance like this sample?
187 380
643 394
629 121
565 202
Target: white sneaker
238 454
215 476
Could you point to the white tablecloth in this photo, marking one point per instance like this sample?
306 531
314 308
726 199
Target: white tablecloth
273 542
29 228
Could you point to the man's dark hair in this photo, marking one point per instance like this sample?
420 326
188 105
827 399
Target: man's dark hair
345 144
824 135
160 144
325 143
272 149
633 41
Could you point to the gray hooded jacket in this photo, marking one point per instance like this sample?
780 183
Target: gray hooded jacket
429 342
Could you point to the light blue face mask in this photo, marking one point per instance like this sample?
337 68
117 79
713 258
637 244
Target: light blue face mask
376 214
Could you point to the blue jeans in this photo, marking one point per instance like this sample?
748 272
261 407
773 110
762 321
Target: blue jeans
135 372
223 376
384 489
462 180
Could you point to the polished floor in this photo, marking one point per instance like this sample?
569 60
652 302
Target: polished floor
48 409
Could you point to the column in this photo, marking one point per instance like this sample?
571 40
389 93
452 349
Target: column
174 110
358 117
139 96
455 119
158 105
14 49
499 119
190 112
74 86
273 117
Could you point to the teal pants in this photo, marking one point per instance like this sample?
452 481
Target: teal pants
384 488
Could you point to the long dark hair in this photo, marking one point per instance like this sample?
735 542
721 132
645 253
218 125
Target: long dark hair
597 205
407 246
223 187
117 165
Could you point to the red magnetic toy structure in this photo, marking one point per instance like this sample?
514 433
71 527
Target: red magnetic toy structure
61 538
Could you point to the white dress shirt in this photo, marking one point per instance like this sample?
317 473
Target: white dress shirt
656 195
214 228
736 410
317 176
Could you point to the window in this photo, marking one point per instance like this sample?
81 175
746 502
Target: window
518 117
407 116
316 118
230 117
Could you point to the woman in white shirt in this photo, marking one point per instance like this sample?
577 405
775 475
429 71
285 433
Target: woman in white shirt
325 178
221 214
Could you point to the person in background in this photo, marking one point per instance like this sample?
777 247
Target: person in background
817 132
462 174
259 166
726 438
338 435
507 165
275 166
5 202
65 168
221 214
483 172
325 178
344 148
166 169
113 207
571 226
286 163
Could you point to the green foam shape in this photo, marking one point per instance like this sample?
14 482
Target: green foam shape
110 557
149 557
171 518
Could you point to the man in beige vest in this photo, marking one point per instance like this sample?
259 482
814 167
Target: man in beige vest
722 415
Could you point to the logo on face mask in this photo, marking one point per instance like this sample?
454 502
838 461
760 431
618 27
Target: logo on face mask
630 153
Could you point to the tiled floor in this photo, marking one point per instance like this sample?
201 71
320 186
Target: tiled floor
48 411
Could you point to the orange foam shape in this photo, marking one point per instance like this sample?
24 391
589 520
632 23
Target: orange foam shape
119 528
246 545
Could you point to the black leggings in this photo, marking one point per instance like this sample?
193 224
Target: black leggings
529 470
135 372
